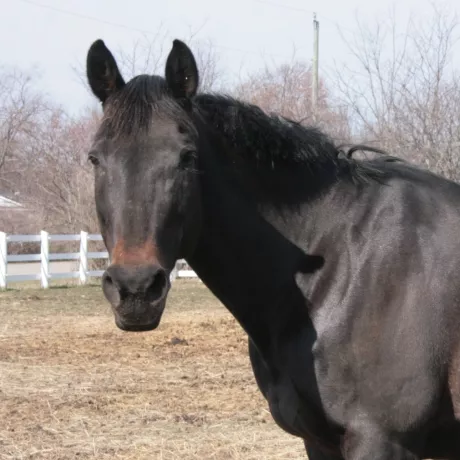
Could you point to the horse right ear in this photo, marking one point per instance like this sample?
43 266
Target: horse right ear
181 71
102 72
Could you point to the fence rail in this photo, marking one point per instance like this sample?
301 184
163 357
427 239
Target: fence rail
45 257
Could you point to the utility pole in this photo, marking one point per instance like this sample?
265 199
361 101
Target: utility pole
314 86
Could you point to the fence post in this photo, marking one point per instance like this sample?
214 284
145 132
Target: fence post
173 275
3 259
44 259
83 257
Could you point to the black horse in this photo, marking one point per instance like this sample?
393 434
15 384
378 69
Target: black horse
344 273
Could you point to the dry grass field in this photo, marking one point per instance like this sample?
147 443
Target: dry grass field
73 386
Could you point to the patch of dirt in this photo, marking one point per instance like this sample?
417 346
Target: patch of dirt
73 386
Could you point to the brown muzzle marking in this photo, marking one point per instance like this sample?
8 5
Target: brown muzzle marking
143 254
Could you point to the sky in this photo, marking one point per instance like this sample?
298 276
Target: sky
52 37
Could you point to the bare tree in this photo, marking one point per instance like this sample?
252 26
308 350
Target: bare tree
212 76
286 90
62 194
403 91
20 109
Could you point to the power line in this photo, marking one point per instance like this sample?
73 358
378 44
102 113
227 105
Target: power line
135 29
84 16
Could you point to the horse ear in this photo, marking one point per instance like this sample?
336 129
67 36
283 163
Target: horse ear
181 71
102 72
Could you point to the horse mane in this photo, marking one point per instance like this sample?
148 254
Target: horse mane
366 148
266 138
279 142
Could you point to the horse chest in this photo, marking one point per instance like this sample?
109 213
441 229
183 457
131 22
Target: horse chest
290 410
285 406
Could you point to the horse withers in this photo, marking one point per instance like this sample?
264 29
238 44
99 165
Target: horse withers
343 272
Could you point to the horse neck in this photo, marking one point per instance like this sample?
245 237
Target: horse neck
246 254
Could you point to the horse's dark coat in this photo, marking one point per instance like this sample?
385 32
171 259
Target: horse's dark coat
344 273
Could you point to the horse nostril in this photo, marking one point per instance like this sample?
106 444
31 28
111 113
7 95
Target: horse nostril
110 291
158 284
107 279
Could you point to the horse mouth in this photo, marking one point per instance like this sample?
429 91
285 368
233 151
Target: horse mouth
135 321
135 326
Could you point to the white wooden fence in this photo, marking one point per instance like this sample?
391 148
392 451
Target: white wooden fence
45 257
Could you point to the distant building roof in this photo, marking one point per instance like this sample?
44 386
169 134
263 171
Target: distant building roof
10 204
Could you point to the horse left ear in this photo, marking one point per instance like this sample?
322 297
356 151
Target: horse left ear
181 71
102 72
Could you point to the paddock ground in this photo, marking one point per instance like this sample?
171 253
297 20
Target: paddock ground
73 386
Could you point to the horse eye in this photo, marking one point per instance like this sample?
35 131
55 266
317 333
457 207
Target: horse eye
187 157
93 159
